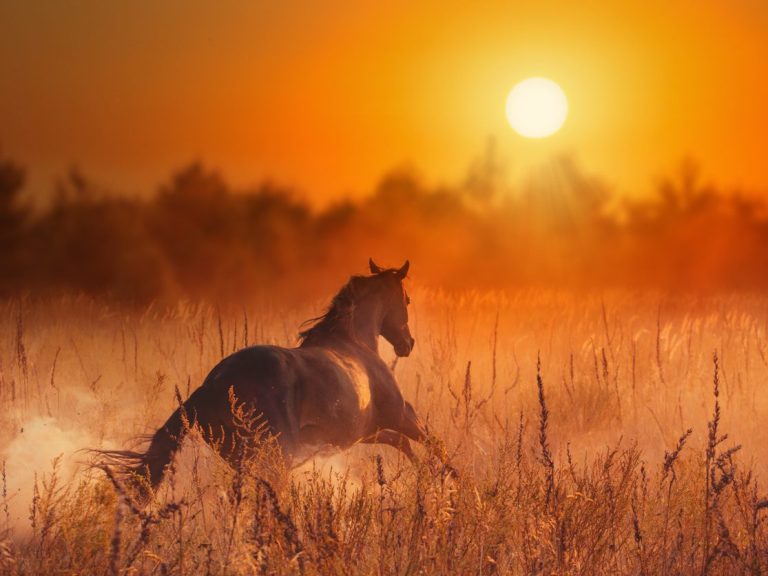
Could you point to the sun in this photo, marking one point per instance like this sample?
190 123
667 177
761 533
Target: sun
537 107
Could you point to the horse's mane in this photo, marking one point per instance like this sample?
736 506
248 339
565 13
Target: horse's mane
338 317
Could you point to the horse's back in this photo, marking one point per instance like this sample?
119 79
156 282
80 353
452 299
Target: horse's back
268 364
313 388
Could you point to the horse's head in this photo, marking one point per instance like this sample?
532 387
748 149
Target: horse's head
394 326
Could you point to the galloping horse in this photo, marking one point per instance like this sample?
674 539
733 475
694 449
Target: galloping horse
334 388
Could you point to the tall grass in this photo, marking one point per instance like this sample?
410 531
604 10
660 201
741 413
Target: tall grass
616 433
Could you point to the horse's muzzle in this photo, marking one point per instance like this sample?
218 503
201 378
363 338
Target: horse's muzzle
405 346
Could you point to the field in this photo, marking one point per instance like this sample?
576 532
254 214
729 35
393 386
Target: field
614 433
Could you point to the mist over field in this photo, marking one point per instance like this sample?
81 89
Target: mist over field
597 474
592 364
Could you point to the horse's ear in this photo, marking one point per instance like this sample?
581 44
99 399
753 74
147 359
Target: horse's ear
403 272
374 268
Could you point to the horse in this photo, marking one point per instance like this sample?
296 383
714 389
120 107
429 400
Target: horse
332 389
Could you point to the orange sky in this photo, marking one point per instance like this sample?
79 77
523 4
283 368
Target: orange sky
328 95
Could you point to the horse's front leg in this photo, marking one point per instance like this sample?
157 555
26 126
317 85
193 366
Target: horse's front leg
411 426
394 439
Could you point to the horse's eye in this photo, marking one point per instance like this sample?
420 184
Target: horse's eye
407 299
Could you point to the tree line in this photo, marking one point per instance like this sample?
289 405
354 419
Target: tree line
197 237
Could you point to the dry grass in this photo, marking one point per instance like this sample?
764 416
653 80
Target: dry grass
615 434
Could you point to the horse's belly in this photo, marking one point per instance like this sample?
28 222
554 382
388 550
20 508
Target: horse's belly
337 403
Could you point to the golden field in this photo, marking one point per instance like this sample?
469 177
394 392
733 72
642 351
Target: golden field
587 469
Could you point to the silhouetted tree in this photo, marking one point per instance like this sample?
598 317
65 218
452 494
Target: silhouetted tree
12 221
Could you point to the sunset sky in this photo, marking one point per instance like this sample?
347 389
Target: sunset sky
327 96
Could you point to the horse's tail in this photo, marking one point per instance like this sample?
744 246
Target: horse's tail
164 444
146 470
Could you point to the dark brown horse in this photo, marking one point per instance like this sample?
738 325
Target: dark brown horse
334 389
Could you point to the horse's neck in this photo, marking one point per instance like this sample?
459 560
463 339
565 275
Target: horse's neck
364 325
365 328
360 327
